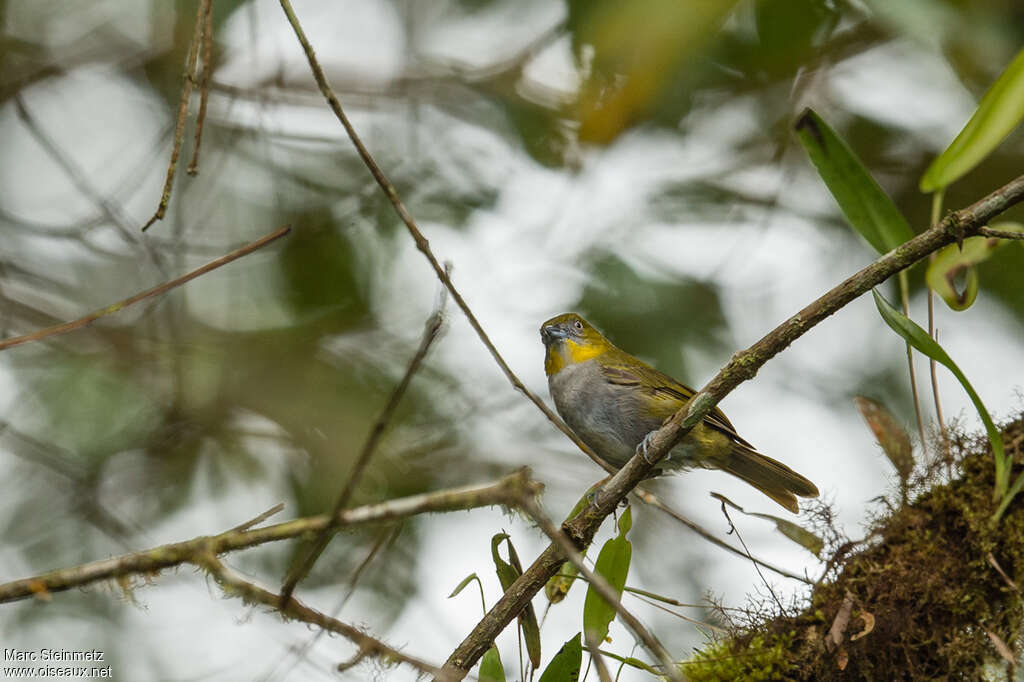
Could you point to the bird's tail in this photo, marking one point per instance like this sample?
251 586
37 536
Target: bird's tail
774 479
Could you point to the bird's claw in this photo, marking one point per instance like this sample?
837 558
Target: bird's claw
645 445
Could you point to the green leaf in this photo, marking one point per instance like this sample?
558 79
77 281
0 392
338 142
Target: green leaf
491 669
867 208
461 586
558 585
919 339
801 536
565 666
889 433
952 262
466 581
508 572
612 564
998 113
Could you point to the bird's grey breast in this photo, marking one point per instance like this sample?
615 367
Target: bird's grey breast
597 411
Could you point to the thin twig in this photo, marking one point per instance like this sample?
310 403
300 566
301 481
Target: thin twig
607 592
108 208
188 80
303 566
1000 234
905 301
204 87
653 500
932 331
594 648
384 540
234 584
149 293
259 519
742 367
421 242
734 529
510 492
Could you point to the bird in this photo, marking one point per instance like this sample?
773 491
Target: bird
613 401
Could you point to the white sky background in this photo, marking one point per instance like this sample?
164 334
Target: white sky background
517 263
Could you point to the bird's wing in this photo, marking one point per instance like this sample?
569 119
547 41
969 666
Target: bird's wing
667 395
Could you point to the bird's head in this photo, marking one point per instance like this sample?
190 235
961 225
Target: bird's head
569 339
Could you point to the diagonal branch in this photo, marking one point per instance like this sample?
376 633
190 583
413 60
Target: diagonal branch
607 592
743 366
510 491
149 293
306 560
252 593
421 242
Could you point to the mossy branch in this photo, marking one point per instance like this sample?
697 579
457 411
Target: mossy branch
512 491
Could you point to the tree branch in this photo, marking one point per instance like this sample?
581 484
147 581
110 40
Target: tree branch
149 293
511 491
607 592
305 562
421 242
743 366
234 584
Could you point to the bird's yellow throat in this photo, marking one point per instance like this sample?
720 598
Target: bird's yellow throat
569 353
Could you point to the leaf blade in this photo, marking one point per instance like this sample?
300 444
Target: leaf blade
867 207
613 565
1000 110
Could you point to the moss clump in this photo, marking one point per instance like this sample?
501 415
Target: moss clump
923 589
754 660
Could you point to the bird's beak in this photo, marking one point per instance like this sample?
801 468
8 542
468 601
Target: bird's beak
550 333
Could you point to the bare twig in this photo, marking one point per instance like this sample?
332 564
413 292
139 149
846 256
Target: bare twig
421 242
259 519
303 565
1000 234
734 529
509 491
607 592
149 293
234 584
653 500
385 540
743 366
933 332
188 80
204 87
108 208
905 304
594 648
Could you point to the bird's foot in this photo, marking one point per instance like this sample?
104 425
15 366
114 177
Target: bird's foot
645 446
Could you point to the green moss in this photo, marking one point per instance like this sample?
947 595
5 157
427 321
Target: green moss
925 578
755 660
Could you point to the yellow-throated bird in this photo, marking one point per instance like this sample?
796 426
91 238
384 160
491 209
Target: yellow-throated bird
612 401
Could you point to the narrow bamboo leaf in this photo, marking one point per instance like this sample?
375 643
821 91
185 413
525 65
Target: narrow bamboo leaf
508 572
491 669
461 586
867 208
798 534
559 585
889 433
565 666
919 339
998 113
612 564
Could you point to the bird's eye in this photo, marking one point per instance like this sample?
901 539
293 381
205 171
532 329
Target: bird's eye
578 325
